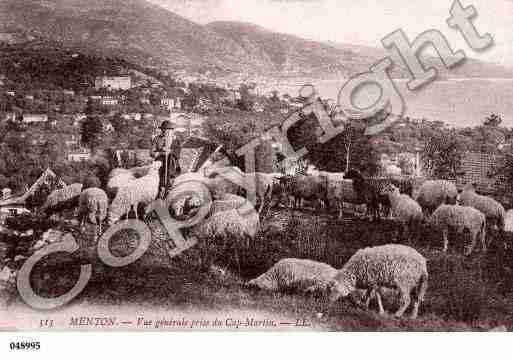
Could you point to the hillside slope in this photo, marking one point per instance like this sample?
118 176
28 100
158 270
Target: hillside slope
152 36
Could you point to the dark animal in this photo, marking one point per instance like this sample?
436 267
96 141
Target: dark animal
367 193
302 187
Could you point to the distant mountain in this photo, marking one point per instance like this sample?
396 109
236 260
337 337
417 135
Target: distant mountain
151 36
470 68
288 54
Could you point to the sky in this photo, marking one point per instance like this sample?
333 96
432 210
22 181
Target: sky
360 22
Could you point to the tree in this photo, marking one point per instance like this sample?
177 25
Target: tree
247 98
121 126
442 155
503 171
350 149
494 120
91 131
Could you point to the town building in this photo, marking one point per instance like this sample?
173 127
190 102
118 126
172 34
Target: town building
6 193
34 118
79 155
171 103
109 101
113 82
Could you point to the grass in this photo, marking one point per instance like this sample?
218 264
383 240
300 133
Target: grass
464 293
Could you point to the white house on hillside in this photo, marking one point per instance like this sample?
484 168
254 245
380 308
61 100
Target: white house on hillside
34 118
113 82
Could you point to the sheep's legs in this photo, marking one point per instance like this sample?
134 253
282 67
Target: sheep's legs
340 206
445 240
472 244
374 293
420 296
380 303
406 300
483 239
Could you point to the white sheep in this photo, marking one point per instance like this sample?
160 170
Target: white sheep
295 274
63 198
433 193
117 171
223 180
508 222
229 218
142 190
93 204
135 171
393 265
405 210
121 179
462 219
493 210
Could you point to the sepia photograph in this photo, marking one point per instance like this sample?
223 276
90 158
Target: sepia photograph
289 166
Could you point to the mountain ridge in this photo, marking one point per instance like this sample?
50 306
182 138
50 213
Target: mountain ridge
152 36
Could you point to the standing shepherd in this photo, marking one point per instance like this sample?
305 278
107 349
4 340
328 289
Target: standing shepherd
166 149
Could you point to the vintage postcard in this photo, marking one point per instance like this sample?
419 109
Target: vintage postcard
256 165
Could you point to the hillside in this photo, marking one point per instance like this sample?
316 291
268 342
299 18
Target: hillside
151 36
46 65
289 54
135 29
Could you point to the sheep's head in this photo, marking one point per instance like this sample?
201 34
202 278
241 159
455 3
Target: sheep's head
341 286
390 190
470 187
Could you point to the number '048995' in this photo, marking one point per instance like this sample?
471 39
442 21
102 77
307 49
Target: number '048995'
25 345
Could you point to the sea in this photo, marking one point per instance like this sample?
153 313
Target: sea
459 102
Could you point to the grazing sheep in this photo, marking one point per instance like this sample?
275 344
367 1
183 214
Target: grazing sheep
508 221
392 170
405 184
142 190
232 180
340 192
93 204
433 193
493 210
366 193
405 210
461 219
118 171
393 265
305 187
121 179
62 199
296 274
135 171
230 218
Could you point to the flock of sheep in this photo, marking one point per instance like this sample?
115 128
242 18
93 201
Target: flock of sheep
370 270
376 270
